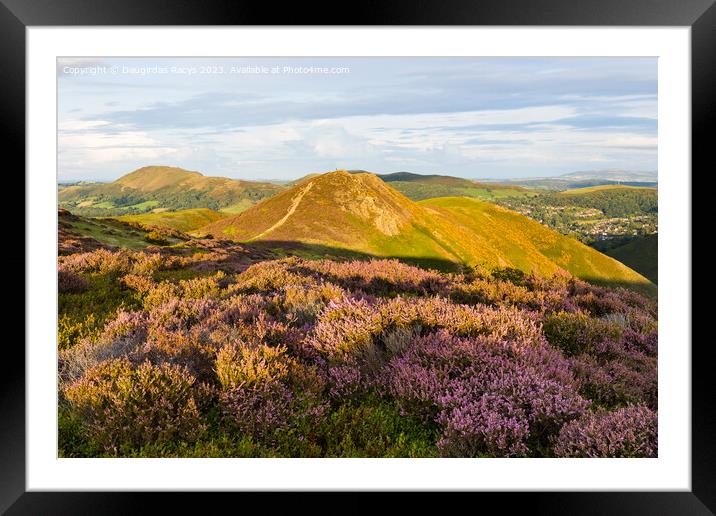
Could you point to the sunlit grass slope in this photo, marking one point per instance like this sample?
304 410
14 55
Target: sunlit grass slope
357 212
517 241
111 232
361 213
183 220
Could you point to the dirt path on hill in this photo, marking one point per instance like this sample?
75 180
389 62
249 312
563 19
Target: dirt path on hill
294 204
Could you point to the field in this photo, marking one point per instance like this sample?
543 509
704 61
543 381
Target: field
603 188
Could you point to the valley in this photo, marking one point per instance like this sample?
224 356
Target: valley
603 217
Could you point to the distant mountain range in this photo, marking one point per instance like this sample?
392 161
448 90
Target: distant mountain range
584 179
614 174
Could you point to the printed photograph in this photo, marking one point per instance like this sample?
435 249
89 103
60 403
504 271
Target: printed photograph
422 257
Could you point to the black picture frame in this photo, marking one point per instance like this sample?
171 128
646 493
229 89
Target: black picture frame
17 15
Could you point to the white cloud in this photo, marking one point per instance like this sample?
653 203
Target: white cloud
454 116
80 125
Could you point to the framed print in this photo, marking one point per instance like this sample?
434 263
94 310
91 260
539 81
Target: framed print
444 251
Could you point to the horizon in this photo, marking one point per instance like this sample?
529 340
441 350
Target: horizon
275 118
379 173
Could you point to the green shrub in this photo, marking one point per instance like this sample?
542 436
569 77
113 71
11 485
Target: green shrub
155 237
71 282
375 428
510 274
122 406
69 331
201 288
577 333
102 299
139 282
243 365
72 439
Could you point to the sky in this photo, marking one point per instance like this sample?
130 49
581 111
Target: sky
282 118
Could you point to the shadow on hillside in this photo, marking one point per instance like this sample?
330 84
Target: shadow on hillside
647 289
281 248
315 251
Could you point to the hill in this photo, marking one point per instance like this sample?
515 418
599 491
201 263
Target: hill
509 239
303 179
606 188
605 217
183 220
612 200
150 188
360 213
418 187
641 254
342 211
582 205
586 179
424 178
615 174
83 234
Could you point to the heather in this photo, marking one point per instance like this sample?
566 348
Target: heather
223 350
127 405
627 432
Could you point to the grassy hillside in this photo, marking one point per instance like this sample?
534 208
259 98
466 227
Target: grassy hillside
303 179
347 212
361 213
78 233
150 188
418 187
641 254
605 217
183 220
516 241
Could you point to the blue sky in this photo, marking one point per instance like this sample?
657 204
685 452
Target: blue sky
281 118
